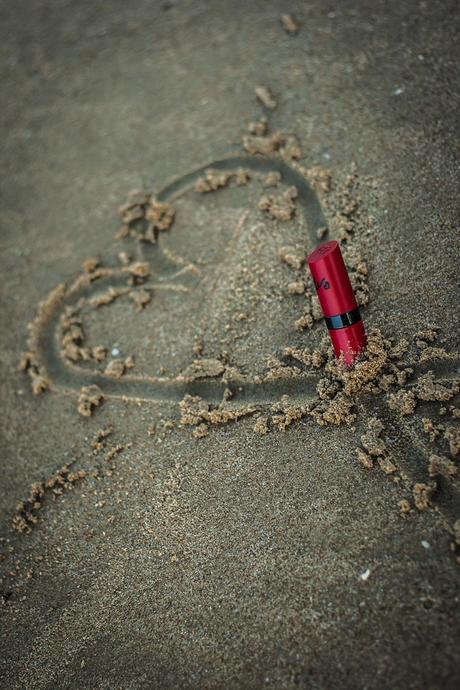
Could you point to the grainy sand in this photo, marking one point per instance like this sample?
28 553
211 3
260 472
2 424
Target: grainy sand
194 494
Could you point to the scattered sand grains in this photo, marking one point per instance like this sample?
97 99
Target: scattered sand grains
113 451
26 514
98 443
310 358
203 368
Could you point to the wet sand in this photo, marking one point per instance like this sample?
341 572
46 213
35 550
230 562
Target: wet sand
194 494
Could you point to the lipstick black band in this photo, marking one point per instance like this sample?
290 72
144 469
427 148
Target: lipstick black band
348 318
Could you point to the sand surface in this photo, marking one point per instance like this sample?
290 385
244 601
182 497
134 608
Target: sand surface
193 494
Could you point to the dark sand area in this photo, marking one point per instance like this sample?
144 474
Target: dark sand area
238 538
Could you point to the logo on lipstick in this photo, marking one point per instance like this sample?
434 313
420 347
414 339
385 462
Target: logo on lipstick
323 283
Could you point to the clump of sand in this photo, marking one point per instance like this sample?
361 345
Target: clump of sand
90 397
292 257
263 145
197 413
423 494
140 298
428 389
261 425
143 216
282 206
403 401
377 370
266 97
160 215
375 448
289 24
115 368
260 141
441 466
291 149
309 358
271 179
213 180
259 127
29 363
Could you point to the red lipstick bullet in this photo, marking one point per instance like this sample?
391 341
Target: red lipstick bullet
338 301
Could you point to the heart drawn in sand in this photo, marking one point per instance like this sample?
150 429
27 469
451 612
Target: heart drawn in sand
211 391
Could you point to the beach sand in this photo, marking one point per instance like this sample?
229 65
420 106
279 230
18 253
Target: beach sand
194 495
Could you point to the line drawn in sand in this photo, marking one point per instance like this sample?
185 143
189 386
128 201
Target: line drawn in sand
289 398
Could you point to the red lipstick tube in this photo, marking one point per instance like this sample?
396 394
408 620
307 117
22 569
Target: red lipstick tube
338 301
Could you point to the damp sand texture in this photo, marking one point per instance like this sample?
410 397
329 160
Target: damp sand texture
193 494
